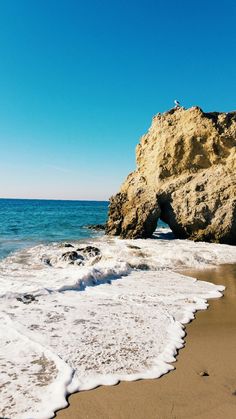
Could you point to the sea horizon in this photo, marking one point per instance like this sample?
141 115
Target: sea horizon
54 199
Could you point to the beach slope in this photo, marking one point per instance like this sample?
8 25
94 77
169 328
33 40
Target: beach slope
203 385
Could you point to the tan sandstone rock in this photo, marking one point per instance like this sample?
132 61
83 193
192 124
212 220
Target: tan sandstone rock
186 176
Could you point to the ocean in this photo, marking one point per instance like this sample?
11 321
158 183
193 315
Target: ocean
26 222
80 309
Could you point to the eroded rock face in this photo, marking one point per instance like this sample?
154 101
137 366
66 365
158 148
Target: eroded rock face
186 176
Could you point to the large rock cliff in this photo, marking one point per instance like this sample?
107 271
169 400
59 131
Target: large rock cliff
186 176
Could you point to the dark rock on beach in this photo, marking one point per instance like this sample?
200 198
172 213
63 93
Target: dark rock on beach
204 374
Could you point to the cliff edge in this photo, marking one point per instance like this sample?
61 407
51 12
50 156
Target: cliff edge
186 176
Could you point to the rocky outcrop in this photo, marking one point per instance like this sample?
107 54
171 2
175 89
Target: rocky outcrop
186 176
96 227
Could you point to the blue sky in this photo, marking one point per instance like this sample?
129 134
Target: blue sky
81 80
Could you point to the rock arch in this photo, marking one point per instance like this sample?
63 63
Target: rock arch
186 176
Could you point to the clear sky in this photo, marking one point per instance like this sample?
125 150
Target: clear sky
81 80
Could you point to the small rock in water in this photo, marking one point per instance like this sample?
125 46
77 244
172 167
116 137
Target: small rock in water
96 227
90 251
71 256
141 266
80 262
204 374
131 246
77 263
26 298
68 245
46 261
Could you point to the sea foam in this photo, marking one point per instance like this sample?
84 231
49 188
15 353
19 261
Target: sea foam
119 316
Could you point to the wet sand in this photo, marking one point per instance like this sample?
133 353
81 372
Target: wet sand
184 392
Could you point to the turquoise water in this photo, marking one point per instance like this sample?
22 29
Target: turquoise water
26 222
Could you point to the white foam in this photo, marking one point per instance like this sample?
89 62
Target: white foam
128 329
31 375
25 271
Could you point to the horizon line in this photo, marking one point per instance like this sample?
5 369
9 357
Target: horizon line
55 199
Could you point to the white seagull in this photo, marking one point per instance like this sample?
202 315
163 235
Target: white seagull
177 104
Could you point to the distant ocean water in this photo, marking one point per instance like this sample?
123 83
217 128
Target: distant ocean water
25 222
80 309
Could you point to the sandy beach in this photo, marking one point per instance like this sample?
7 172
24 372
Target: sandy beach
203 385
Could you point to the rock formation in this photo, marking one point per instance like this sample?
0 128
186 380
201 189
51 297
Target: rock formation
186 176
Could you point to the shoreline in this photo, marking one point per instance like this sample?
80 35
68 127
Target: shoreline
203 384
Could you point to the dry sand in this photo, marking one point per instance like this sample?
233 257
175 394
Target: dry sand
183 393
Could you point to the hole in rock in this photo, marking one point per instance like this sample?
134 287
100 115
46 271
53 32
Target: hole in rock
163 231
